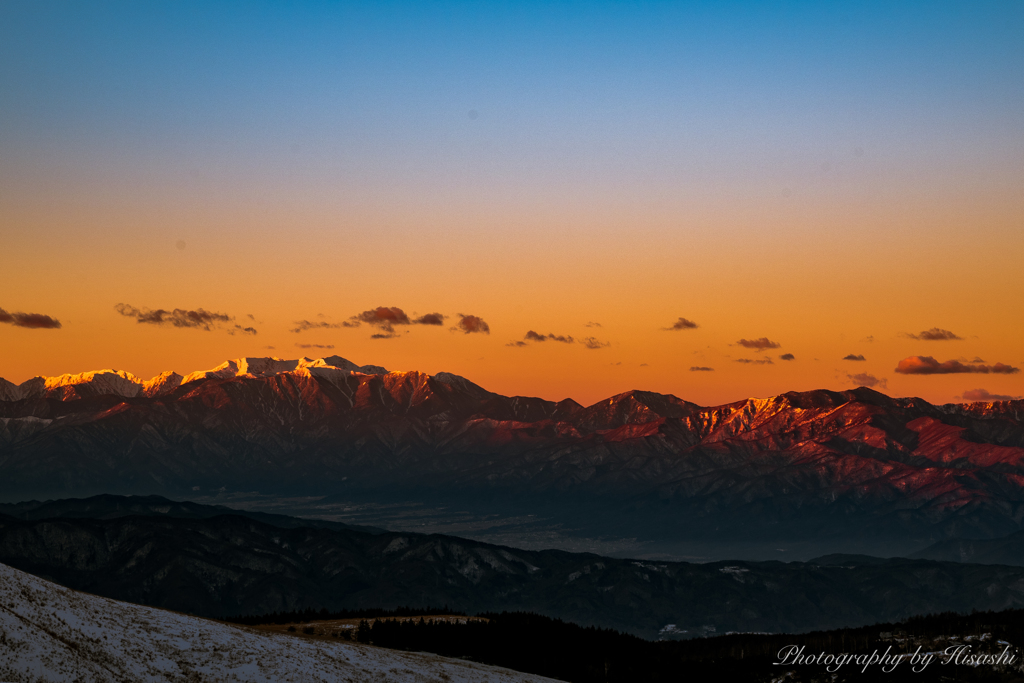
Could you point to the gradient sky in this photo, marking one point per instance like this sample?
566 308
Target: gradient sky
832 178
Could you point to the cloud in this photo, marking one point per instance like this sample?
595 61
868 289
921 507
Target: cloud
429 319
592 324
701 368
382 316
787 356
935 334
471 324
303 325
198 319
926 365
759 344
315 346
681 324
863 379
32 321
594 343
644 365
533 336
983 395
869 338
854 356
763 361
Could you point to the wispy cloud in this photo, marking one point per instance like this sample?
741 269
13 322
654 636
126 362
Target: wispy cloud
594 343
32 321
759 344
863 379
534 336
593 324
198 319
303 325
854 356
681 324
926 365
762 361
983 396
701 368
315 346
935 334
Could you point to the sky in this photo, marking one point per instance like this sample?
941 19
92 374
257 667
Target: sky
714 200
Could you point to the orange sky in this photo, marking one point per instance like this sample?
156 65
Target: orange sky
811 178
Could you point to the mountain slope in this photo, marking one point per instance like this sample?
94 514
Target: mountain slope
107 506
230 566
51 633
803 465
1006 550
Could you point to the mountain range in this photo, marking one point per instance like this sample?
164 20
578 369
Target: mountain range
224 565
831 469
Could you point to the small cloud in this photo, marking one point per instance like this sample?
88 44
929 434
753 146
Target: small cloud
272 348
787 356
429 319
385 335
983 396
763 361
198 318
517 343
471 324
681 324
592 324
644 365
976 360
533 336
759 344
250 316
314 346
926 365
594 343
618 363
869 339
863 379
935 334
701 368
32 321
303 325
854 356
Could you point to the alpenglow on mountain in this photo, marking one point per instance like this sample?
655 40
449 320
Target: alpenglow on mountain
801 466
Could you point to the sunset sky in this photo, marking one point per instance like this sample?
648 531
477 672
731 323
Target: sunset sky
825 180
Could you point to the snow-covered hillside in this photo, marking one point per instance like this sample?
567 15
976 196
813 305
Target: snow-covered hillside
52 633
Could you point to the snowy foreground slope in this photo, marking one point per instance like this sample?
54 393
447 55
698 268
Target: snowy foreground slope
52 633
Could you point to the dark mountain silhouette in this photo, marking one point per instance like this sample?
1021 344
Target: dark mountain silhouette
231 565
